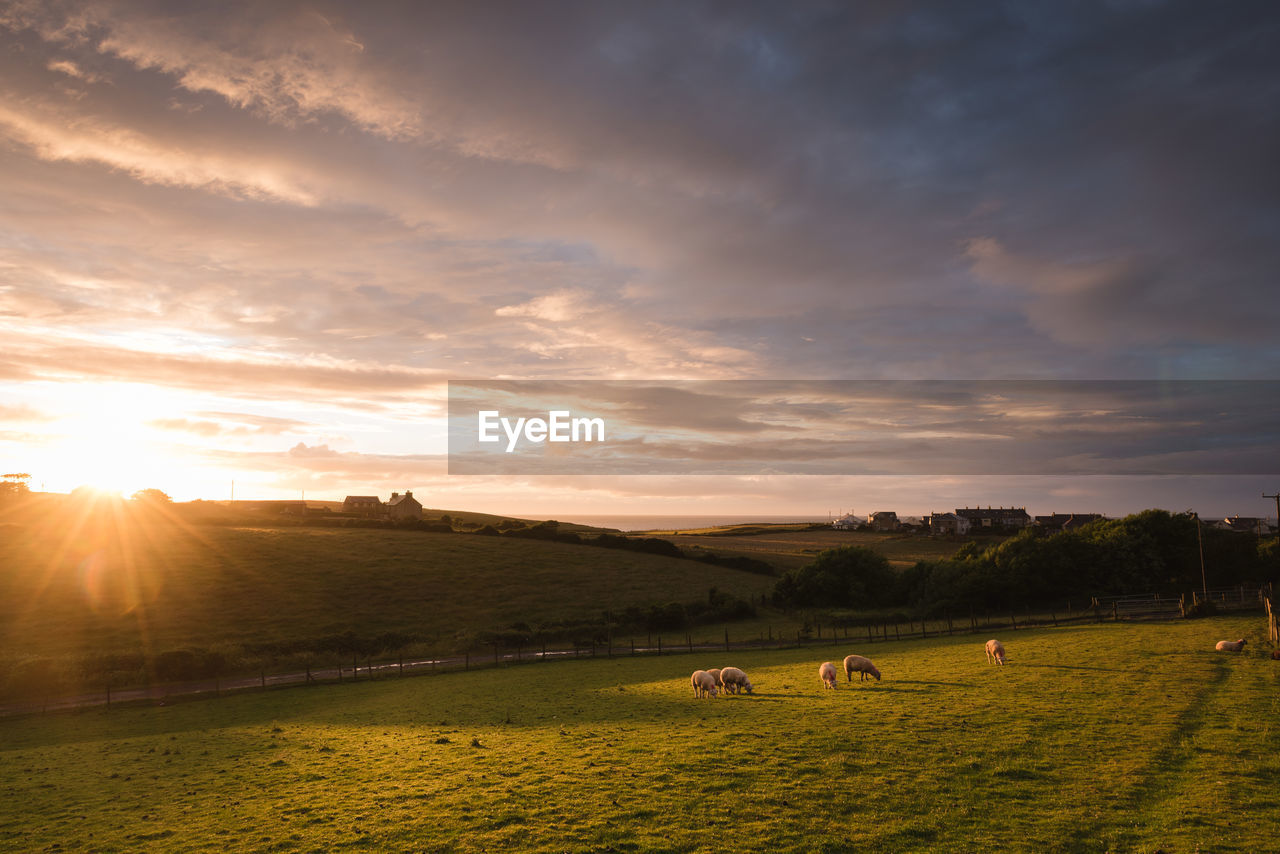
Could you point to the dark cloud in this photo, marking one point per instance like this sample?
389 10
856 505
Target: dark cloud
345 203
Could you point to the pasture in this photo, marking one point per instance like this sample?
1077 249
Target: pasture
149 584
1112 737
792 546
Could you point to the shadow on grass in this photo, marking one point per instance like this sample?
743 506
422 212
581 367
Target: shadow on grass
1070 667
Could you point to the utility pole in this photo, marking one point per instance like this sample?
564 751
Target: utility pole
1277 498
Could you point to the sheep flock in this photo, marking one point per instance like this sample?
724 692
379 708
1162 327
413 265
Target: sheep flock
732 680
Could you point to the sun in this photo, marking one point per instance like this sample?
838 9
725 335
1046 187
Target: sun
104 441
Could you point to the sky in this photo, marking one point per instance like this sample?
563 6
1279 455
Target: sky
253 242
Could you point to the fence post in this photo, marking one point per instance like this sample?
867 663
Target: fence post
1013 621
659 644
1115 610
868 633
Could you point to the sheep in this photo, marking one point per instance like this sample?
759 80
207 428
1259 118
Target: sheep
863 666
827 673
732 676
1230 646
995 652
715 674
703 684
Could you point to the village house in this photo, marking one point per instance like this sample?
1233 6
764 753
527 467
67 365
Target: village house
883 520
1244 525
847 522
1014 518
404 506
362 505
947 523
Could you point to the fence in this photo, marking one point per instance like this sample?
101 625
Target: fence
1096 610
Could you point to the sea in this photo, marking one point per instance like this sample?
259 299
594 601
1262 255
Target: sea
678 523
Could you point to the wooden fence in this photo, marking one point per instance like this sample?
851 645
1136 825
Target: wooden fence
1095 610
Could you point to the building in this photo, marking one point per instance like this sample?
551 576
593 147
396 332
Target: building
404 506
847 522
1055 522
947 523
997 518
1244 525
362 505
883 520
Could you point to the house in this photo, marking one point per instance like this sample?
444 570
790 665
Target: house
1055 522
1244 525
947 523
847 522
404 506
363 505
883 520
995 517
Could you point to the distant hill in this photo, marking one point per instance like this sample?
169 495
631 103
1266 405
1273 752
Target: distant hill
117 578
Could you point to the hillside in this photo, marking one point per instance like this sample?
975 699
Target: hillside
792 546
118 578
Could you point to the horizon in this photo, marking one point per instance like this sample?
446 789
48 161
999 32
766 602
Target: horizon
255 243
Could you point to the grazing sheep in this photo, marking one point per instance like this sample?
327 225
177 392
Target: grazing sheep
732 676
715 674
827 673
1230 646
703 684
995 652
862 665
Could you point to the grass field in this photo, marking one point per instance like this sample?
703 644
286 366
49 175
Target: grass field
1116 737
792 546
124 585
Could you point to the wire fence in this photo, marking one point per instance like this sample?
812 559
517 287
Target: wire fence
1095 610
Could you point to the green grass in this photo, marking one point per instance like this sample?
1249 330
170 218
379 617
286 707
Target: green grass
792 546
1116 737
122 585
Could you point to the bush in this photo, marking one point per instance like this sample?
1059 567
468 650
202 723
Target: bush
850 576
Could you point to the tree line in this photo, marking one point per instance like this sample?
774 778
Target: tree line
1152 551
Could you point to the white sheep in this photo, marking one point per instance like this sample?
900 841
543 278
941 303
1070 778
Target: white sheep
862 665
995 652
703 684
1230 646
715 674
732 676
827 673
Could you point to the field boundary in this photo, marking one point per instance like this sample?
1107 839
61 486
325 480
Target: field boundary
1153 607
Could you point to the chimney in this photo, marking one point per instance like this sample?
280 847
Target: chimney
408 493
394 496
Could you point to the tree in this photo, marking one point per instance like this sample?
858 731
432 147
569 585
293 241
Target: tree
847 577
15 484
151 496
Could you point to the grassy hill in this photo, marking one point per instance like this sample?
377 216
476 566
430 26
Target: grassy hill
117 578
791 546
1124 737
